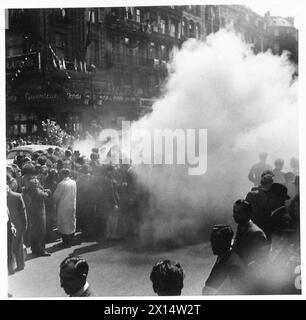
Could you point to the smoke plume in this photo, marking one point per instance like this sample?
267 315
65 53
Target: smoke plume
248 104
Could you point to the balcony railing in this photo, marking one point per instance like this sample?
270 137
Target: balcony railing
127 59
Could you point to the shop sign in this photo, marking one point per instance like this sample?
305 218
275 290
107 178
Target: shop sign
41 96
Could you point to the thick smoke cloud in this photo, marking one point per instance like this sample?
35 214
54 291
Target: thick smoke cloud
248 104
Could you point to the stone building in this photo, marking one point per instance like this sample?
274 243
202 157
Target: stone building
76 65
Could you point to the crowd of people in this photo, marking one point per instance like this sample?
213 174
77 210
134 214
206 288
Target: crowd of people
53 194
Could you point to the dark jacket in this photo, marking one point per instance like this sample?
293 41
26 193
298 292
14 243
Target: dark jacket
17 210
251 243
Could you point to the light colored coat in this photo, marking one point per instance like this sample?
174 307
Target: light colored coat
65 201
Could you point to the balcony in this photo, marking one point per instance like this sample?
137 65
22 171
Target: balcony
142 30
131 60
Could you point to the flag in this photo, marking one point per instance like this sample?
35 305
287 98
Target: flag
89 37
64 63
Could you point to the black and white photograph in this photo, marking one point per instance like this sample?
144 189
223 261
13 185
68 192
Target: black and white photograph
152 150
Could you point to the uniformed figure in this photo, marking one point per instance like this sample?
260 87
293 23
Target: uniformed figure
258 168
167 278
228 275
73 277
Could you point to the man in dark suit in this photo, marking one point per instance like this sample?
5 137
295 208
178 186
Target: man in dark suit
18 217
250 241
229 273
73 277
262 204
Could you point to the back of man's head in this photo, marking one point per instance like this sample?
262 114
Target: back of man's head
167 278
221 238
65 172
242 211
73 274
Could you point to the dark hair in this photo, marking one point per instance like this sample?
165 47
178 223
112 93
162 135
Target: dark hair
65 172
68 153
42 160
167 278
79 263
247 208
28 168
267 172
222 231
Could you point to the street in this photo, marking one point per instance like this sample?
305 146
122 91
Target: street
114 270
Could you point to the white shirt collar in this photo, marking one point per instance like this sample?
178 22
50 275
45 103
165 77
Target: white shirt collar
81 291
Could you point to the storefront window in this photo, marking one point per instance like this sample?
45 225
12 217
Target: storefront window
23 128
15 130
34 128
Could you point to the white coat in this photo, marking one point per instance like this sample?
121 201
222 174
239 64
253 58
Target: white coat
65 201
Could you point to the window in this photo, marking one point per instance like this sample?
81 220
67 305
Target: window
34 128
138 15
276 32
60 44
183 28
172 29
247 17
14 51
197 32
163 52
151 50
23 128
91 16
162 26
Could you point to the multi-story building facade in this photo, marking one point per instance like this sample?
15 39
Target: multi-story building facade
283 35
263 32
76 65
102 64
